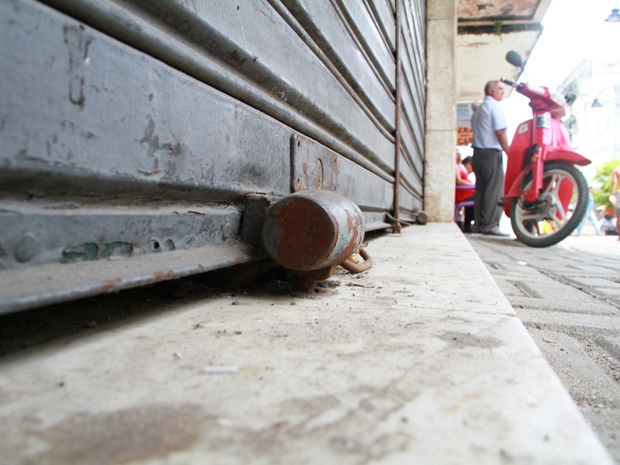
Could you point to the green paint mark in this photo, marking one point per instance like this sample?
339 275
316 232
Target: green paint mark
90 251
81 253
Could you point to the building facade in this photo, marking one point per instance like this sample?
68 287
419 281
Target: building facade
594 122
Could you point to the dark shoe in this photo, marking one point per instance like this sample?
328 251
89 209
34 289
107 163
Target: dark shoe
495 232
467 229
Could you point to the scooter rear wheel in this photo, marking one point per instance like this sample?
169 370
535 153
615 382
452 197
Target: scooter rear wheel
547 221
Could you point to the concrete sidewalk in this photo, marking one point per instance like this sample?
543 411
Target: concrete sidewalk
419 360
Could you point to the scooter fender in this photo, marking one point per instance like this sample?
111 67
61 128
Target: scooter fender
567 156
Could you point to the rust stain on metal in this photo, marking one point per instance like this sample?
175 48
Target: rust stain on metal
161 275
108 286
239 260
312 230
308 234
354 225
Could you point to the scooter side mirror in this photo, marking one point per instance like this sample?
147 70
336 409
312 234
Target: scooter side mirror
514 58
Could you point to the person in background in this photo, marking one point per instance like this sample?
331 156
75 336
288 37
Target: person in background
608 225
466 190
614 198
589 216
467 164
489 127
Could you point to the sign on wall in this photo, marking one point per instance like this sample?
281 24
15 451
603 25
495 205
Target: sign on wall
464 133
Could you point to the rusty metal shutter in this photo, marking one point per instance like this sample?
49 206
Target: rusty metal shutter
134 130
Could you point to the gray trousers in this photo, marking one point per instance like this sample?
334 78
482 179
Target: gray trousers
488 167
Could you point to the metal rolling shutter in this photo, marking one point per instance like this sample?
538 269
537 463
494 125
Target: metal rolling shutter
133 131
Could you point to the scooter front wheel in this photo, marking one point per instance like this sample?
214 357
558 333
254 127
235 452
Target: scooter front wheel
548 220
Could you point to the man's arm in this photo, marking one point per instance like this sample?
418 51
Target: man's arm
502 139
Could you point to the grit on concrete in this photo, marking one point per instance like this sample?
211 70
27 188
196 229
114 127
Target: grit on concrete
568 297
419 360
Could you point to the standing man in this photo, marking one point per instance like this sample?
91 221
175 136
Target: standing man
615 199
489 128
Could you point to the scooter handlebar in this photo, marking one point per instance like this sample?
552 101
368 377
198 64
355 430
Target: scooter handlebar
509 82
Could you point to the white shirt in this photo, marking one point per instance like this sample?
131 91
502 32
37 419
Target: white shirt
488 118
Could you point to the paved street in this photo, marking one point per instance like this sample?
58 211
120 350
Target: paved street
568 298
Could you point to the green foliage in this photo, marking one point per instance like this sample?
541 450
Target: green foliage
603 178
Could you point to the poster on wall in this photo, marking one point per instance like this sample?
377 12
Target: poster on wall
464 134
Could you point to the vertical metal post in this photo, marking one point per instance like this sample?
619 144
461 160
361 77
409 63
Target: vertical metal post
398 114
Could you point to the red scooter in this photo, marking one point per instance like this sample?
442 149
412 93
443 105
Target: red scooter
541 180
